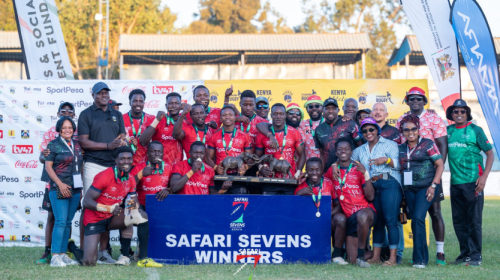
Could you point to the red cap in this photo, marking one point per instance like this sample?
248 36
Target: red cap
313 99
295 106
415 91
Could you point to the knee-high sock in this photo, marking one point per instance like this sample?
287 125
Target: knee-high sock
143 235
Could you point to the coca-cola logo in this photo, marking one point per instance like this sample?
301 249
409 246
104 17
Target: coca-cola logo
28 164
127 89
162 89
153 104
22 149
2 149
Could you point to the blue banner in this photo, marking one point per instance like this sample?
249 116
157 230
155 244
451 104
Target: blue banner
478 50
202 229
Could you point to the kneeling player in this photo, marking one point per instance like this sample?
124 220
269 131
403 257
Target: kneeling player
152 177
352 191
102 207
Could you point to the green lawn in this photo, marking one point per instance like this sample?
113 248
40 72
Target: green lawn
19 263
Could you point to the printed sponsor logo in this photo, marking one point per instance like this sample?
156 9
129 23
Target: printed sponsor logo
12 238
2 147
82 103
6 179
22 149
64 90
28 223
306 95
263 92
127 89
26 238
2 104
1 137
26 118
27 179
163 89
25 195
238 224
287 96
12 90
384 98
362 97
27 164
14 102
26 104
457 145
2 238
1 226
39 119
12 134
40 224
13 119
27 211
25 134
1 119
41 210
45 104
27 89
152 104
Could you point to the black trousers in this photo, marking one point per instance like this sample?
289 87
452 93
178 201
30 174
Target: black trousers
467 212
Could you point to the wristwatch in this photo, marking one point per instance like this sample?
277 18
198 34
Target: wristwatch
433 185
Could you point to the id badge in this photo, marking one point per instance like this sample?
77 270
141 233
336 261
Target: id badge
77 181
408 177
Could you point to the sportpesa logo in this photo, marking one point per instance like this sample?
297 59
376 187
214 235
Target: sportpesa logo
64 90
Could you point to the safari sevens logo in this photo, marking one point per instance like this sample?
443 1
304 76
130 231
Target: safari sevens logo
239 224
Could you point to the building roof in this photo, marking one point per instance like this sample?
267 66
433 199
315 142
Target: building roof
258 48
10 47
410 46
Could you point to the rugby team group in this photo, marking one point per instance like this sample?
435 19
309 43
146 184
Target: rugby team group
376 175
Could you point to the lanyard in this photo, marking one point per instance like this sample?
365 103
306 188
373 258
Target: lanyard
208 110
202 166
158 171
230 142
170 120
284 140
249 124
72 150
198 136
311 125
408 153
342 182
138 134
319 193
124 178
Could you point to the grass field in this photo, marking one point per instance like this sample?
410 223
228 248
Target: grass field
19 263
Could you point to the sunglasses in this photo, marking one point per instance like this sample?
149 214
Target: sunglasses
66 110
365 131
364 116
407 130
416 99
457 112
316 106
294 113
262 106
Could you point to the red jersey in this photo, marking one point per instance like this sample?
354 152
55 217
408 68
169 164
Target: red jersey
326 190
172 149
307 134
111 192
199 183
241 141
140 153
213 114
293 140
251 128
354 195
152 183
190 136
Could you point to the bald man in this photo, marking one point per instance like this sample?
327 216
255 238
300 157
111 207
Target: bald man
380 114
350 108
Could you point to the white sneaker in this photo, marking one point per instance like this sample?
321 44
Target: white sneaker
419 265
122 260
339 261
67 260
56 261
104 258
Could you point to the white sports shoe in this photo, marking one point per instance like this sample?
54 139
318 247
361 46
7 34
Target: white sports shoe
419 265
56 261
339 261
104 258
122 260
67 260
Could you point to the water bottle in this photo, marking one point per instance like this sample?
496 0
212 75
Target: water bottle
128 201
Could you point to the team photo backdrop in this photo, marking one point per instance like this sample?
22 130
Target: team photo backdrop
28 111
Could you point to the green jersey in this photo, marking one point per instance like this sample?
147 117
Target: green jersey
465 144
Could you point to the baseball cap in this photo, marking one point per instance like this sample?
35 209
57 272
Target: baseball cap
416 91
330 101
459 103
295 106
262 99
313 99
369 121
100 86
366 110
66 104
112 103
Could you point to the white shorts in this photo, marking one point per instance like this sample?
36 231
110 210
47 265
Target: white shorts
89 171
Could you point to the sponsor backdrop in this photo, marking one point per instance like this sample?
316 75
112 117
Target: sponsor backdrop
367 92
439 46
28 112
222 227
478 50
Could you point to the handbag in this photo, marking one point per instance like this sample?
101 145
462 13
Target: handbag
68 181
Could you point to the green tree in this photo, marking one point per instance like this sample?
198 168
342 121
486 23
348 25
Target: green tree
378 18
7 18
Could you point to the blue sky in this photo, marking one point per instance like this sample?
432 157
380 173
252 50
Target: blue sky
291 10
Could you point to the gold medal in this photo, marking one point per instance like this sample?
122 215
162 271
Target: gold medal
341 197
281 158
318 214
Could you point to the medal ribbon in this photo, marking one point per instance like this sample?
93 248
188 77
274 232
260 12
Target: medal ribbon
138 134
125 178
204 134
311 125
170 119
284 139
342 182
230 142
319 193
249 124
158 171
202 166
